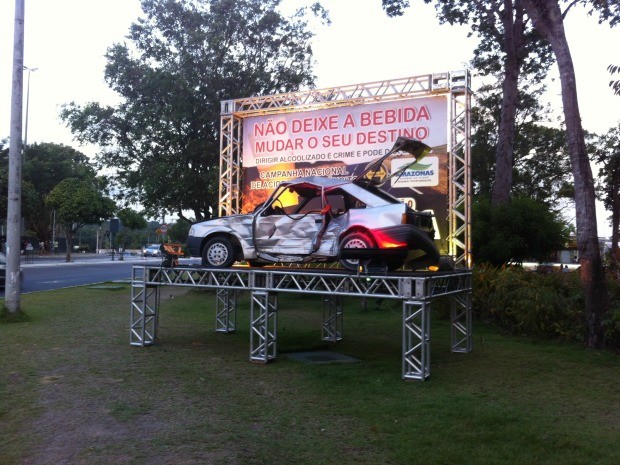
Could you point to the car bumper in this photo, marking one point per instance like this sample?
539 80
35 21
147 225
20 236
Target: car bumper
395 242
404 236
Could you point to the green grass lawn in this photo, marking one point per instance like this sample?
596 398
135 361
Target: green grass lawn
75 392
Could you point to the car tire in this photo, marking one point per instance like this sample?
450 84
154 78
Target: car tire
356 240
218 253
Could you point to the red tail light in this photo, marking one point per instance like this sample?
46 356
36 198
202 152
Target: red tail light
387 242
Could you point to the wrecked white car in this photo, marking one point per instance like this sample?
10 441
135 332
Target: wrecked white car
318 219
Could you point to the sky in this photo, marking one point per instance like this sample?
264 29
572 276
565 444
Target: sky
65 40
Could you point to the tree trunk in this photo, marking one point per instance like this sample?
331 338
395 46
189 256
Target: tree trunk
547 19
70 235
513 43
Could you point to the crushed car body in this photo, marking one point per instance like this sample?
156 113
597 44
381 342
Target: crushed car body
320 219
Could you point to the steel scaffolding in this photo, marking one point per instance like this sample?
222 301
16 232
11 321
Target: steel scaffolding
416 291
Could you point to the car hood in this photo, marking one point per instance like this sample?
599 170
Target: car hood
222 222
403 144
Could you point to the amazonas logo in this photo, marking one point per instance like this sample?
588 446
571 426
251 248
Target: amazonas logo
422 174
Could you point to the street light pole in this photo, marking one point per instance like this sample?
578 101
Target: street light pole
12 300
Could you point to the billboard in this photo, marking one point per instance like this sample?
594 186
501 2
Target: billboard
341 141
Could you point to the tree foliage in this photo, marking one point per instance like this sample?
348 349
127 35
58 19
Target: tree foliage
615 85
45 165
606 152
512 52
181 60
77 203
541 167
131 219
523 229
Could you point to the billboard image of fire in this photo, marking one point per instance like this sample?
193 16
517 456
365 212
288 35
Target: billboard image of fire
340 142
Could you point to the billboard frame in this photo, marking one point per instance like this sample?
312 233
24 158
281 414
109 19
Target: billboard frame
456 84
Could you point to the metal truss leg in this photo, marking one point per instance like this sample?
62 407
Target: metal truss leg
144 307
332 318
416 340
226 311
461 322
263 326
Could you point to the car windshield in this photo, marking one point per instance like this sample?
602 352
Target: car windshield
298 198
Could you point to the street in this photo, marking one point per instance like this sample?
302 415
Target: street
44 273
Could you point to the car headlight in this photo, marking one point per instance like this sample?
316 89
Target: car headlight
191 231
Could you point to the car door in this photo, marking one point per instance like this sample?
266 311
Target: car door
377 172
291 223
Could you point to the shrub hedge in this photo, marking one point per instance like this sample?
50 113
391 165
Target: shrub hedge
552 305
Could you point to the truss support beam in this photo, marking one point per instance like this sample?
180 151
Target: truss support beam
416 291
230 162
459 170
461 322
144 308
332 318
416 361
263 326
226 311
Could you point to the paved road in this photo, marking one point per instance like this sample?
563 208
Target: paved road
43 273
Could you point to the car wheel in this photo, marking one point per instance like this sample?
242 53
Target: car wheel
356 240
218 253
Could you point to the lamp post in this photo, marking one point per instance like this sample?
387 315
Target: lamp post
30 70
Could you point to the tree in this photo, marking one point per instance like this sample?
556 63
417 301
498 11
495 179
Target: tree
509 48
130 219
45 165
541 167
606 153
615 85
523 229
178 231
549 22
76 204
183 59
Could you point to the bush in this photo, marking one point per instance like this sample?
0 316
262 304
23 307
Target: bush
523 229
548 306
612 322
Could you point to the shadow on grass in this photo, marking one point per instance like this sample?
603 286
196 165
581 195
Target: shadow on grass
7 316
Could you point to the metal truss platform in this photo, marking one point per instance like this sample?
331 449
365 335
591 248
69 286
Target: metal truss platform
416 291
